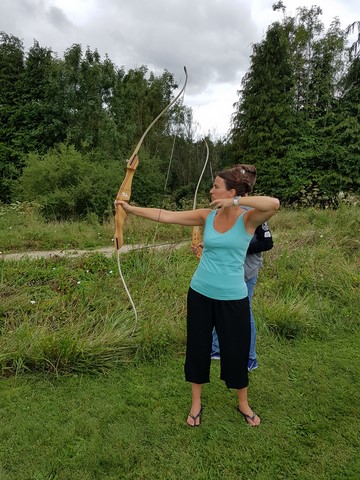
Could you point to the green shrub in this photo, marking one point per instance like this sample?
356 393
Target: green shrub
67 184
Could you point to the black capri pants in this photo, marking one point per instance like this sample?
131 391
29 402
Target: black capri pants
231 319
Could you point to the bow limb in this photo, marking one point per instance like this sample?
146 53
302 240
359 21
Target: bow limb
137 148
196 231
125 189
196 238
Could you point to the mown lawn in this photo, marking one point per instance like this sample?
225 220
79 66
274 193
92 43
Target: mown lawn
131 423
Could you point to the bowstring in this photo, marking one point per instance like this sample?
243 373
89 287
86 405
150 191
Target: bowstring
211 172
127 291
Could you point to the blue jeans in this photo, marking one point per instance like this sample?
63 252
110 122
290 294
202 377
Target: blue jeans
252 354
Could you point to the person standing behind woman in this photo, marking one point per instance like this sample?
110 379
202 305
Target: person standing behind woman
217 294
262 241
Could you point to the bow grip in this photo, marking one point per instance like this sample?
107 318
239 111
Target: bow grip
196 239
120 216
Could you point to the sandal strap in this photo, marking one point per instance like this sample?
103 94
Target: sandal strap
251 417
195 417
246 416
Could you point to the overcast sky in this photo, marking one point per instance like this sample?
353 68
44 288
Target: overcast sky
212 38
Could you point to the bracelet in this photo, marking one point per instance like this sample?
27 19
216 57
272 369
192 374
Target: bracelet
236 201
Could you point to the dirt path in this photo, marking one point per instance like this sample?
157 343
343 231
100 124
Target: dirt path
107 251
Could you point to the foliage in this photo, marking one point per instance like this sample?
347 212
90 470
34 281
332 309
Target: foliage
297 120
67 184
297 117
80 100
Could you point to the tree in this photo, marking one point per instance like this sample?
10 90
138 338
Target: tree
11 69
264 126
290 119
90 84
41 117
86 103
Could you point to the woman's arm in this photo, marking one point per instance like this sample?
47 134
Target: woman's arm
190 217
263 208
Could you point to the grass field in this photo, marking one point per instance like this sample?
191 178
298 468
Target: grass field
81 398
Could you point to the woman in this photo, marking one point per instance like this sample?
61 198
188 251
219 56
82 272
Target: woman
218 295
261 242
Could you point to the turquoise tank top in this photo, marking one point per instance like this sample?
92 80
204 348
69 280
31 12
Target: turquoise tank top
220 273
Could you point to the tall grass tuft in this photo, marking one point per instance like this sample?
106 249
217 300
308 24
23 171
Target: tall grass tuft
88 346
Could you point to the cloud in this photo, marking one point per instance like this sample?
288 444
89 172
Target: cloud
212 38
58 19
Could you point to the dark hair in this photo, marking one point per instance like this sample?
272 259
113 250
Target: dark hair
250 171
239 179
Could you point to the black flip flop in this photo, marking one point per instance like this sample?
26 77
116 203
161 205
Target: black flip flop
248 417
195 417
